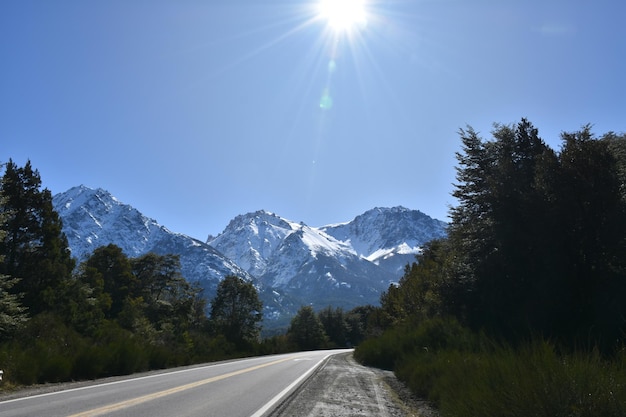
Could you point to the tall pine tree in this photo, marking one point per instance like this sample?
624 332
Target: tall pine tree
35 249
12 313
538 237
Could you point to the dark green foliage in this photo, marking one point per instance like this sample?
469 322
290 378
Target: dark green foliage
335 326
534 380
594 235
536 243
306 331
12 313
406 339
535 252
236 311
328 328
108 270
33 246
358 320
418 294
468 375
167 297
500 229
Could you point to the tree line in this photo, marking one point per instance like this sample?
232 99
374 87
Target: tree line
536 245
524 298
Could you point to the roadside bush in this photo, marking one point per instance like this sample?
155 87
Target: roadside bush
534 380
381 352
91 362
47 351
128 357
466 375
407 340
18 367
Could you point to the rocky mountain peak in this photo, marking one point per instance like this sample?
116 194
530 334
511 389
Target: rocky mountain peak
291 263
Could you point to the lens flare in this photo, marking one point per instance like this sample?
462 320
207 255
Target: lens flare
326 102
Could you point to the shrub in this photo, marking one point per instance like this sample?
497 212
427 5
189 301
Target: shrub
410 339
467 375
534 380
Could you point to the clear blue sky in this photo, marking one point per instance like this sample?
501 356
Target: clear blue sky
195 111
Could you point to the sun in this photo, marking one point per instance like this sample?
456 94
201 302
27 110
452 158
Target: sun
343 15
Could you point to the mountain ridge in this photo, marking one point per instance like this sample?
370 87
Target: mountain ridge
291 264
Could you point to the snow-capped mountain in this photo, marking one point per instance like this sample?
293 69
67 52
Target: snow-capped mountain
251 239
291 264
93 218
388 237
305 262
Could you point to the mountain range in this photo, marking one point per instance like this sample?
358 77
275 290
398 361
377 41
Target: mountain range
290 263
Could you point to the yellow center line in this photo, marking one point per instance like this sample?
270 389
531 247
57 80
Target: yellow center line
139 400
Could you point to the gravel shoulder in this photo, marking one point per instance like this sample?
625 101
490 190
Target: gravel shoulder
341 387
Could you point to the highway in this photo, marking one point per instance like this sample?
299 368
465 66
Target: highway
248 387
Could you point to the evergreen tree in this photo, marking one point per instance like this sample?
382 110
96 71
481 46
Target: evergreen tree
236 311
306 330
358 323
335 326
503 230
593 226
12 313
35 248
536 243
418 294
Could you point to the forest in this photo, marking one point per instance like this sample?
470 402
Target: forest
61 320
521 309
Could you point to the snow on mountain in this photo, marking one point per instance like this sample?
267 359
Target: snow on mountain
319 271
292 264
389 237
249 240
253 240
305 262
93 218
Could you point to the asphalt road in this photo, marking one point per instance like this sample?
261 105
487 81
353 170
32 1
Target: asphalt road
248 387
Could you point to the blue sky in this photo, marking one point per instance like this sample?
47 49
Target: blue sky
197 111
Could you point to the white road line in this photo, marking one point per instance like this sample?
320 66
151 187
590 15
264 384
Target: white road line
284 392
122 381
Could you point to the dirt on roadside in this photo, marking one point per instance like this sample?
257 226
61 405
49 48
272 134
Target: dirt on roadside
344 388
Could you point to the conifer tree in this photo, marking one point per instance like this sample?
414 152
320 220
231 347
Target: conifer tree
12 313
593 226
335 325
536 243
35 248
306 330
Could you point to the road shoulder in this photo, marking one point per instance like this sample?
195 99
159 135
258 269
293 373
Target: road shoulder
341 387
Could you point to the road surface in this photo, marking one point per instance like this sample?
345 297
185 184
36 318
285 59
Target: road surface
249 387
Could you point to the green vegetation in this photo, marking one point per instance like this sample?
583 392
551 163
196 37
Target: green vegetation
236 312
519 311
329 328
464 374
